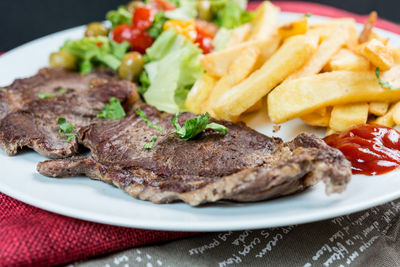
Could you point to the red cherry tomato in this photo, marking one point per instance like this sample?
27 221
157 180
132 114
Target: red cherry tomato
143 18
140 41
162 5
122 33
204 39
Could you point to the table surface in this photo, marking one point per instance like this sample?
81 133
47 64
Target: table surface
367 238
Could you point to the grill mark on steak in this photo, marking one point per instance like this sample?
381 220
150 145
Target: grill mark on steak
242 165
32 122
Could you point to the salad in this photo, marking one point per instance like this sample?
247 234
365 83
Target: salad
158 44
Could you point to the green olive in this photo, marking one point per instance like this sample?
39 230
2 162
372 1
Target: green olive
204 9
63 59
132 5
131 66
96 29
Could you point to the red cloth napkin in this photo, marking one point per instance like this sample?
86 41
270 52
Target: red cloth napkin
33 237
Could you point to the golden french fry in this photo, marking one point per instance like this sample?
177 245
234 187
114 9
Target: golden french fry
378 53
378 108
320 117
265 21
392 76
396 53
256 107
217 63
368 26
329 131
199 93
387 119
293 28
289 57
346 59
333 23
298 97
396 113
344 117
241 67
374 35
239 35
323 54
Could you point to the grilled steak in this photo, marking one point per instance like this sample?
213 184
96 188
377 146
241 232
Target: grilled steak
32 122
242 165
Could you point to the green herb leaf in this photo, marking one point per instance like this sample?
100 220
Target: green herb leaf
44 95
307 15
66 129
119 16
195 126
382 83
4 90
149 123
217 127
62 90
151 144
112 111
158 25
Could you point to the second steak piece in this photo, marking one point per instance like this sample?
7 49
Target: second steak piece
35 124
242 165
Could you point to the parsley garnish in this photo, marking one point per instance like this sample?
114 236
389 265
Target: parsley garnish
112 111
149 123
4 89
382 83
189 130
45 95
62 90
66 129
151 144
194 126
307 15
143 116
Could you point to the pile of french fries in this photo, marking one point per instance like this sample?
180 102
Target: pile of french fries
327 73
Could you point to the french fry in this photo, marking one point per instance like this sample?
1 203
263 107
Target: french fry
392 76
298 97
323 53
344 117
217 63
241 67
256 107
346 59
378 54
396 113
199 93
388 119
329 131
368 26
290 56
396 53
293 28
378 108
320 117
239 35
265 21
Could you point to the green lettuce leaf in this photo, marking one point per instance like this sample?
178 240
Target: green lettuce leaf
96 51
174 65
187 10
119 16
232 15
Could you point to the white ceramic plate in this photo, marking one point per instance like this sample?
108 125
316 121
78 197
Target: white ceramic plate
99 202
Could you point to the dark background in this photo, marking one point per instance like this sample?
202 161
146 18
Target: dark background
25 20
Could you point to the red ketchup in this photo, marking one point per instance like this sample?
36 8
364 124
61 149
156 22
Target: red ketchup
371 149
